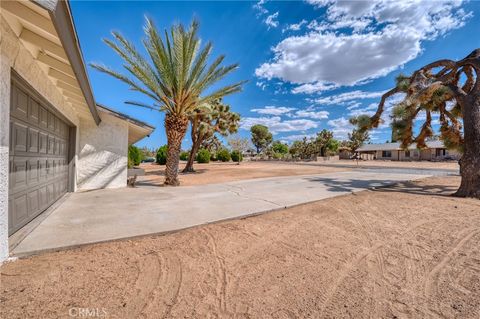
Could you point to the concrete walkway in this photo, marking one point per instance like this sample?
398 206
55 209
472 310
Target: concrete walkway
103 215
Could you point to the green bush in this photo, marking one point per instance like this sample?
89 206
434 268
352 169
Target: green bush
184 156
203 156
213 157
134 155
223 155
236 156
162 155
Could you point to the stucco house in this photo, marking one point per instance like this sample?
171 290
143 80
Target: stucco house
435 150
54 137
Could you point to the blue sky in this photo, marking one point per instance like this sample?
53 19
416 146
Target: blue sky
310 64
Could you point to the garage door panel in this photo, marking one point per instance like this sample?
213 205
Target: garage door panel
33 203
18 176
42 197
32 140
19 107
51 121
33 112
38 170
43 118
32 172
19 137
51 145
20 210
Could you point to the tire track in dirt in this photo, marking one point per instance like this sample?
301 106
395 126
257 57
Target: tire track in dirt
433 277
221 274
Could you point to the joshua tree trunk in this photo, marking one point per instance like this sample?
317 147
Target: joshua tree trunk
193 153
176 127
470 161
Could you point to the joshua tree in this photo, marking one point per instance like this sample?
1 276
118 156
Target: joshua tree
212 144
261 137
356 139
174 76
325 141
216 117
452 90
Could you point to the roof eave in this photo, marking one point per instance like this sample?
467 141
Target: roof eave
61 17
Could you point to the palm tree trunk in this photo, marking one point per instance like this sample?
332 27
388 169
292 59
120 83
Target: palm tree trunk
175 127
470 161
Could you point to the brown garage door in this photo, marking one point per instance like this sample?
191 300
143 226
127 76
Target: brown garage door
38 156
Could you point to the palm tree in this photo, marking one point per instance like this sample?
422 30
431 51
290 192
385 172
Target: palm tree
208 120
175 77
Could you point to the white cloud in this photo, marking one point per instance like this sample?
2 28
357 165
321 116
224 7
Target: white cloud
271 21
316 115
348 96
273 110
380 37
340 127
309 88
296 137
260 8
276 124
295 26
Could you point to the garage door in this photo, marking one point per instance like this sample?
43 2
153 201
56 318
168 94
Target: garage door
38 156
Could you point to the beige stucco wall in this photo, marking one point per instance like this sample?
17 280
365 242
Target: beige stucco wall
102 161
13 55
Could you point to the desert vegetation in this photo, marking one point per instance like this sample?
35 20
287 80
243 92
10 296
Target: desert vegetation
452 90
175 77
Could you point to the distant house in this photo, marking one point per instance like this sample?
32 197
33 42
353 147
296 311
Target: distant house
435 150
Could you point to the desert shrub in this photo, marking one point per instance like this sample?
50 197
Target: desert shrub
236 156
134 155
184 156
223 155
203 156
162 155
129 163
277 155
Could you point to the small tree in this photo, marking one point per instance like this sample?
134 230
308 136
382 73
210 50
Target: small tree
238 145
203 156
237 156
279 148
223 155
303 149
324 142
356 139
261 137
212 118
162 155
184 155
452 90
134 155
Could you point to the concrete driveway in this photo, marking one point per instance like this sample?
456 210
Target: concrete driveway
103 215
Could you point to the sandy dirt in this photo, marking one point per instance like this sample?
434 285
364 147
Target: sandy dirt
217 172
408 251
394 164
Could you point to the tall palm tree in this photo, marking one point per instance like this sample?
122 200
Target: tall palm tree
175 77
216 117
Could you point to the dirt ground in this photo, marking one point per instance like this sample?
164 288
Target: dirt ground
218 172
408 251
394 164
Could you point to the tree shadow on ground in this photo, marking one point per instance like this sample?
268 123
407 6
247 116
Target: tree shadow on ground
348 185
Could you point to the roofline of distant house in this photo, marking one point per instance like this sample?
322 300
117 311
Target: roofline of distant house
61 17
127 118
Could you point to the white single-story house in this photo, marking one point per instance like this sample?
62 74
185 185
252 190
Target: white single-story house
54 137
435 150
